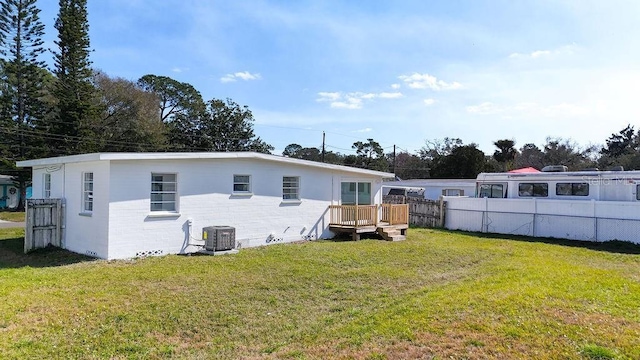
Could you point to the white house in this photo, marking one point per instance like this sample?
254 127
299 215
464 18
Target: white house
124 205
432 189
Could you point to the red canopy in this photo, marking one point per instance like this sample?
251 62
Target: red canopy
525 170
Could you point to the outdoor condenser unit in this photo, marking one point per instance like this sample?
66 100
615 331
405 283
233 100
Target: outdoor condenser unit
219 238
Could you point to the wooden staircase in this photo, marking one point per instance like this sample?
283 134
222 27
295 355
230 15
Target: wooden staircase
392 232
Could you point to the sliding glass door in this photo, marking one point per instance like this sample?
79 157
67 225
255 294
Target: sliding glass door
356 193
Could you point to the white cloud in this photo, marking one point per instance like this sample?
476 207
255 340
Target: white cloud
390 95
365 130
426 81
539 54
395 86
353 100
486 108
328 96
351 103
242 75
179 70
429 102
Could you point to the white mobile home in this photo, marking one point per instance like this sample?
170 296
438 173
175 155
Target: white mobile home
576 185
432 189
124 205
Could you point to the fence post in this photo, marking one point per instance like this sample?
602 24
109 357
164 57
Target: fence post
441 211
28 235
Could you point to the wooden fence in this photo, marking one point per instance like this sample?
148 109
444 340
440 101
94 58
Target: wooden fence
422 212
43 223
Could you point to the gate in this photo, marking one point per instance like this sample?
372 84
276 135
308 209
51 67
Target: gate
427 213
43 224
422 212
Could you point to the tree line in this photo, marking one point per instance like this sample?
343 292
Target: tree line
451 158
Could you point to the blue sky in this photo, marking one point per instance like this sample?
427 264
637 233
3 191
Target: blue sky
400 72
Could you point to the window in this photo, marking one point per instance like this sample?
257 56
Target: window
241 183
572 189
46 186
533 189
356 193
491 191
163 192
452 192
87 192
290 188
637 192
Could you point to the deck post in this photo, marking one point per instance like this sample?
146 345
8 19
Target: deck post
356 218
378 207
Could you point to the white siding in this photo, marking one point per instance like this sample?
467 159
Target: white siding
57 181
83 233
434 192
86 233
205 197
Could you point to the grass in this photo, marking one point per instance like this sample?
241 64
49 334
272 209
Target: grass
437 295
12 216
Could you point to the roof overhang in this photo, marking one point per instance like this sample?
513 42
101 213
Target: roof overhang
196 156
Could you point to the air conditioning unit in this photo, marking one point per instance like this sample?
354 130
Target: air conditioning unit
219 238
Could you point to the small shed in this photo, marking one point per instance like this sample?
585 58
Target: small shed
9 194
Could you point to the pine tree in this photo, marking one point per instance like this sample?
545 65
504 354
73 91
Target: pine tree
23 88
73 90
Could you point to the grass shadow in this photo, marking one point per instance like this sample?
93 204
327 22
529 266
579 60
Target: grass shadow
12 256
346 237
613 246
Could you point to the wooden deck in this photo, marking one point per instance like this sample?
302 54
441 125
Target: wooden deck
391 221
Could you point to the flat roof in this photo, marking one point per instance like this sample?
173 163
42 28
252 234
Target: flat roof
430 182
193 156
5 180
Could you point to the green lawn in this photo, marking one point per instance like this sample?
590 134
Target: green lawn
437 295
11 216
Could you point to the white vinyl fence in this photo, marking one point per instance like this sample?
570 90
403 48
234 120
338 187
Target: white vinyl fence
567 219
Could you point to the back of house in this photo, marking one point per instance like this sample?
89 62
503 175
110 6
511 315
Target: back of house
124 205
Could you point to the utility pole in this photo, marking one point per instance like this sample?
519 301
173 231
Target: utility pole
323 146
394 159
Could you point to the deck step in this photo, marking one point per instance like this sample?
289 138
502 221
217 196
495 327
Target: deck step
391 233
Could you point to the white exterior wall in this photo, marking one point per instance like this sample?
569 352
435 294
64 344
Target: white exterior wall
84 233
87 233
57 181
434 192
205 197
568 219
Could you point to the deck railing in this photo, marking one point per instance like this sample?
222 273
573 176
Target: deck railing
395 214
368 215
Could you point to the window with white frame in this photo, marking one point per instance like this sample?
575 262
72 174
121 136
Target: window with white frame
290 188
46 186
87 192
164 192
242 184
